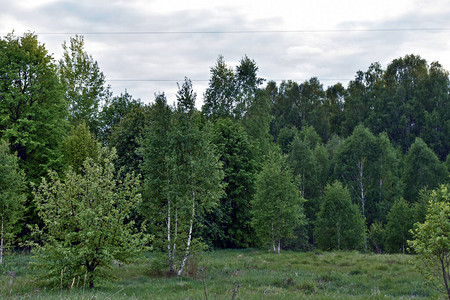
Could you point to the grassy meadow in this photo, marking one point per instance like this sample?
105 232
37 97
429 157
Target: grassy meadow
238 274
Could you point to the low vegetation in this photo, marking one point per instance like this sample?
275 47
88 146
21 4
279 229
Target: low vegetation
238 274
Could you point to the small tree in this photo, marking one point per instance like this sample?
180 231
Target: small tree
431 239
277 206
85 220
339 223
12 196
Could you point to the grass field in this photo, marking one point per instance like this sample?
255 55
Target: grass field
243 274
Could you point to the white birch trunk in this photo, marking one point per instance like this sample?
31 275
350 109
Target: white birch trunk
186 255
363 192
174 246
361 184
279 237
169 250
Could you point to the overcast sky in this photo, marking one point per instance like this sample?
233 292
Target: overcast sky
288 39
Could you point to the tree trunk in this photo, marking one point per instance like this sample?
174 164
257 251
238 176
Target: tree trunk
279 238
169 250
444 274
175 238
361 184
363 192
1 242
338 233
273 240
183 264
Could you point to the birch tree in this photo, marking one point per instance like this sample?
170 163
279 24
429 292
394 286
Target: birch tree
84 83
180 162
277 206
12 196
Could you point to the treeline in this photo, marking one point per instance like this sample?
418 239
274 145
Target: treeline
289 165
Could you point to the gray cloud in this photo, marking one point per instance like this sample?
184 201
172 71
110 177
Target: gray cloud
171 56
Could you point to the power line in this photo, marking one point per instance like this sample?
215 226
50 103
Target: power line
245 31
207 80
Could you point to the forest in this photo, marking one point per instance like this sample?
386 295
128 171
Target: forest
89 178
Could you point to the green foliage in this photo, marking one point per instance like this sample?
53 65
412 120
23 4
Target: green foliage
85 218
32 106
370 166
231 93
83 82
183 177
154 149
339 223
422 169
79 145
257 121
128 135
12 196
376 237
400 222
431 239
113 112
229 225
277 207
220 95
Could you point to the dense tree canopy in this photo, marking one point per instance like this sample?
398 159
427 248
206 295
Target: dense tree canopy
12 196
32 106
284 163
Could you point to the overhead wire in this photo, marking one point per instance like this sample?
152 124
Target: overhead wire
246 31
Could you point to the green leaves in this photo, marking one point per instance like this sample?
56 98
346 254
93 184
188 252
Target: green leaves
32 107
85 219
12 196
277 207
84 83
431 239
339 223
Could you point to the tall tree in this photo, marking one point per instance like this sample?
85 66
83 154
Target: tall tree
32 106
187 177
231 92
220 96
84 83
257 121
357 163
247 82
277 206
231 219
12 196
154 150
